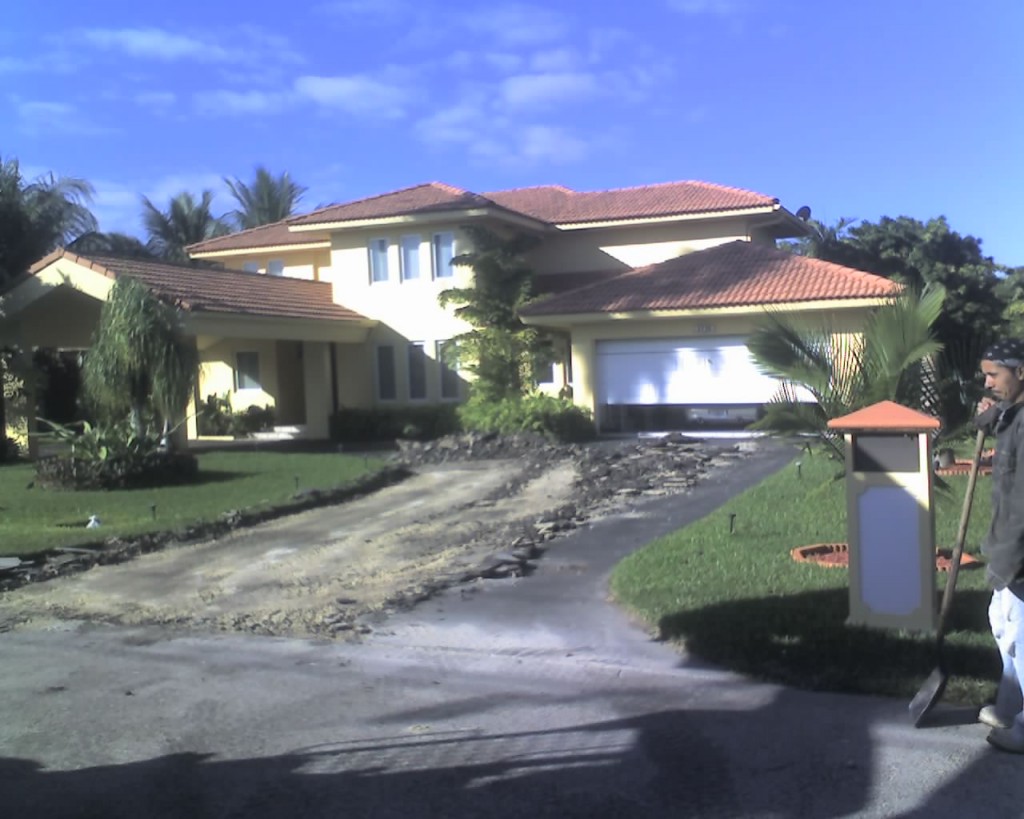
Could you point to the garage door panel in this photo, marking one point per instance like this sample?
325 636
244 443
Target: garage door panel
680 371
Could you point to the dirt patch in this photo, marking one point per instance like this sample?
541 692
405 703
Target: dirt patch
472 507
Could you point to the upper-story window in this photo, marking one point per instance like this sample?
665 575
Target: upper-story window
443 251
251 267
275 267
410 257
378 260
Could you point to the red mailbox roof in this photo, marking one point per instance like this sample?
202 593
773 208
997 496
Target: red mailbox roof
887 416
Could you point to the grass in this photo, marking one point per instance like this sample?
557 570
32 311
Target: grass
34 520
740 600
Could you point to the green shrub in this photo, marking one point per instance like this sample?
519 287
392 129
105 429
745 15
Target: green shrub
422 423
557 418
110 457
216 417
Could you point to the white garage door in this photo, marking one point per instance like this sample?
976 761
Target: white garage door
680 371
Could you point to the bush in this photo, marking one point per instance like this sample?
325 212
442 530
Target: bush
216 417
422 423
556 418
8 450
111 457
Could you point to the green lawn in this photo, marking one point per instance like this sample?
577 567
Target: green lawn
33 519
742 602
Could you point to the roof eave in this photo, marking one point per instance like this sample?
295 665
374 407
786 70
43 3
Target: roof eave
251 249
426 217
675 217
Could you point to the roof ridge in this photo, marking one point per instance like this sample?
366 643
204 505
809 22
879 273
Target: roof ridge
561 188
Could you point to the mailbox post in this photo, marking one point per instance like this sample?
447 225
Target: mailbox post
889 518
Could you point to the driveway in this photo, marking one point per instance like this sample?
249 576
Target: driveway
522 697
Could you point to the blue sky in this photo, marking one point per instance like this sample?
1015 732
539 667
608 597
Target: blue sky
865 109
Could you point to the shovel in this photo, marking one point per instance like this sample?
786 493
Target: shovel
930 693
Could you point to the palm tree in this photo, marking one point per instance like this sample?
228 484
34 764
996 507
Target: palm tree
140 361
893 359
116 244
184 223
39 216
268 199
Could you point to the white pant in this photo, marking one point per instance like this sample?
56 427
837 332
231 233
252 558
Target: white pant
1006 616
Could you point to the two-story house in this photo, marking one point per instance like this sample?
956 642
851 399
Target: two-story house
653 291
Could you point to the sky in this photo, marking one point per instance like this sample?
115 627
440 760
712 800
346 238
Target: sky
856 109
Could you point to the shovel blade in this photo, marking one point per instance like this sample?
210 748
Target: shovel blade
928 695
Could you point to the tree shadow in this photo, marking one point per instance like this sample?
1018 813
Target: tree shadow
803 640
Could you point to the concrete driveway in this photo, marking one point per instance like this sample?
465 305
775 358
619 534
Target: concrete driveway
513 698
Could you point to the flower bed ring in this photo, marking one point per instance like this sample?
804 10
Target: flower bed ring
835 555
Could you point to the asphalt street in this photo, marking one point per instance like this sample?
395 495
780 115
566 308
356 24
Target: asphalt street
529 697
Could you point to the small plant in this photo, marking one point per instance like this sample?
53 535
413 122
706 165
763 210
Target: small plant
557 418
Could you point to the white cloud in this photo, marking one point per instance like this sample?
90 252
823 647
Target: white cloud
157 101
539 90
356 94
158 44
547 143
229 103
517 24
717 8
455 125
555 59
38 117
380 9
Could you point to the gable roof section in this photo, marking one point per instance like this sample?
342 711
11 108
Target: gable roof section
562 206
431 197
277 234
212 290
734 274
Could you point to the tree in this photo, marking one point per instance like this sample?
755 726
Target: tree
267 200
140 364
116 244
892 360
184 223
39 216
500 350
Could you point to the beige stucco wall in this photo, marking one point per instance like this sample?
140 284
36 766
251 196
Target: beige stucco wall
624 247
298 264
217 372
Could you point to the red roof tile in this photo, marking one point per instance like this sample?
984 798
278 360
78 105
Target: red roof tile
427 198
886 415
212 290
560 205
733 274
263 236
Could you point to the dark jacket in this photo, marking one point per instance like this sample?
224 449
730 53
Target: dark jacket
1003 547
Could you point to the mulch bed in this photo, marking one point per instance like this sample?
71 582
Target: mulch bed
838 554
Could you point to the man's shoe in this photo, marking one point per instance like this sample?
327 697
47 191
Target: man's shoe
1007 739
989 716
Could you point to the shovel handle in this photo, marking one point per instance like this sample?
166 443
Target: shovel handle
961 535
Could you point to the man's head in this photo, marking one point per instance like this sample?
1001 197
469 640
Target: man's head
1003 367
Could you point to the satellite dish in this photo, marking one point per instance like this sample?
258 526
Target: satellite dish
804 213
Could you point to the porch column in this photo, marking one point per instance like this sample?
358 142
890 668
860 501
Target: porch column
316 371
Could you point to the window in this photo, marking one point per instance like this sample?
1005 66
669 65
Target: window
417 372
386 373
378 260
443 251
251 267
275 267
247 371
410 257
445 351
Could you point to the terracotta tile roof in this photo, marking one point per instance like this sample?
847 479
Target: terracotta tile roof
559 205
212 290
733 274
264 236
886 415
427 198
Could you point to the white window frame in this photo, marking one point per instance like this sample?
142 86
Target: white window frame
409 256
416 361
242 372
382 246
442 271
378 374
445 372
275 267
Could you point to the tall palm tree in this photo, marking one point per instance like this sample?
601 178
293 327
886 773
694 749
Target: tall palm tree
38 216
893 359
268 199
111 244
184 223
